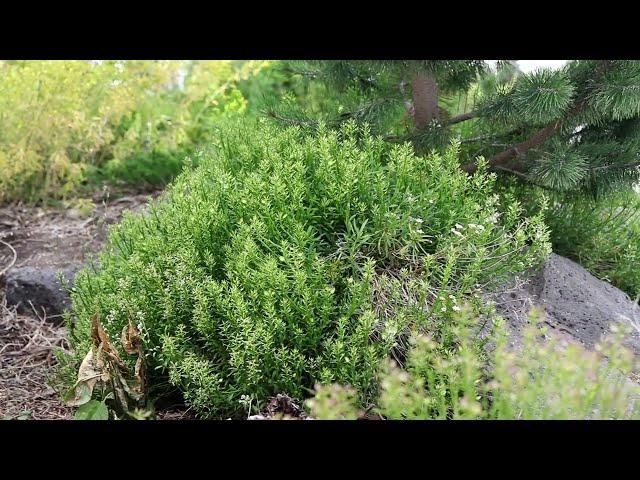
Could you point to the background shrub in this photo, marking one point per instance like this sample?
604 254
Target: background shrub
64 122
278 262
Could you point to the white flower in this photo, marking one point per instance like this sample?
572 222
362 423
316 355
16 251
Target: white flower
477 228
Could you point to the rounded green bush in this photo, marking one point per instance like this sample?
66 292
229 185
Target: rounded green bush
258 272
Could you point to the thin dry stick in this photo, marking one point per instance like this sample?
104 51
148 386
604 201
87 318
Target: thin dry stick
13 261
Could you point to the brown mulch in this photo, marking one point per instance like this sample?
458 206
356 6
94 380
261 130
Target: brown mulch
27 388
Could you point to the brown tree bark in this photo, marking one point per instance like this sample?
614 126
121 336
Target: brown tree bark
462 117
425 99
518 148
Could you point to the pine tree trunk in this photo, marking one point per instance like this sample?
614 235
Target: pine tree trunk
425 99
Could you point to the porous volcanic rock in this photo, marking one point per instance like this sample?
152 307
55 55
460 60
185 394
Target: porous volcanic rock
575 303
39 289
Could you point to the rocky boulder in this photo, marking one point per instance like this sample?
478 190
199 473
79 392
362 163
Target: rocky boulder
576 304
40 289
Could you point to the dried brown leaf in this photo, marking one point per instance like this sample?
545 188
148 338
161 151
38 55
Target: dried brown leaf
139 376
101 339
131 341
88 375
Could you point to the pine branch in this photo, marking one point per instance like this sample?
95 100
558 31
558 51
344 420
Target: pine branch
359 114
366 108
613 166
313 74
396 138
463 117
488 136
524 177
540 136
524 146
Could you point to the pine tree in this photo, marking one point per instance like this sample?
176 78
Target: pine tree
572 129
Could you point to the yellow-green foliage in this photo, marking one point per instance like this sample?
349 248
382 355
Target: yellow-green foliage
547 378
60 120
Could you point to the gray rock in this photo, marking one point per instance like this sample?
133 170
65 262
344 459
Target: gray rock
40 287
575 303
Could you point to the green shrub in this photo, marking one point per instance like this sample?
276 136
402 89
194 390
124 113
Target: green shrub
275 263
546 379
603 235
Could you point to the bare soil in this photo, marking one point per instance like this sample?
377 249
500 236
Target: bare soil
60 237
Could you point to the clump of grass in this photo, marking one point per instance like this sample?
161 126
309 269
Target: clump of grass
602 234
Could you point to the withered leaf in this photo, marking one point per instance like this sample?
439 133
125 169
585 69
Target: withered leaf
102 365
107 365
131 341
88 375
101 339
138 377
96 330
121 390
